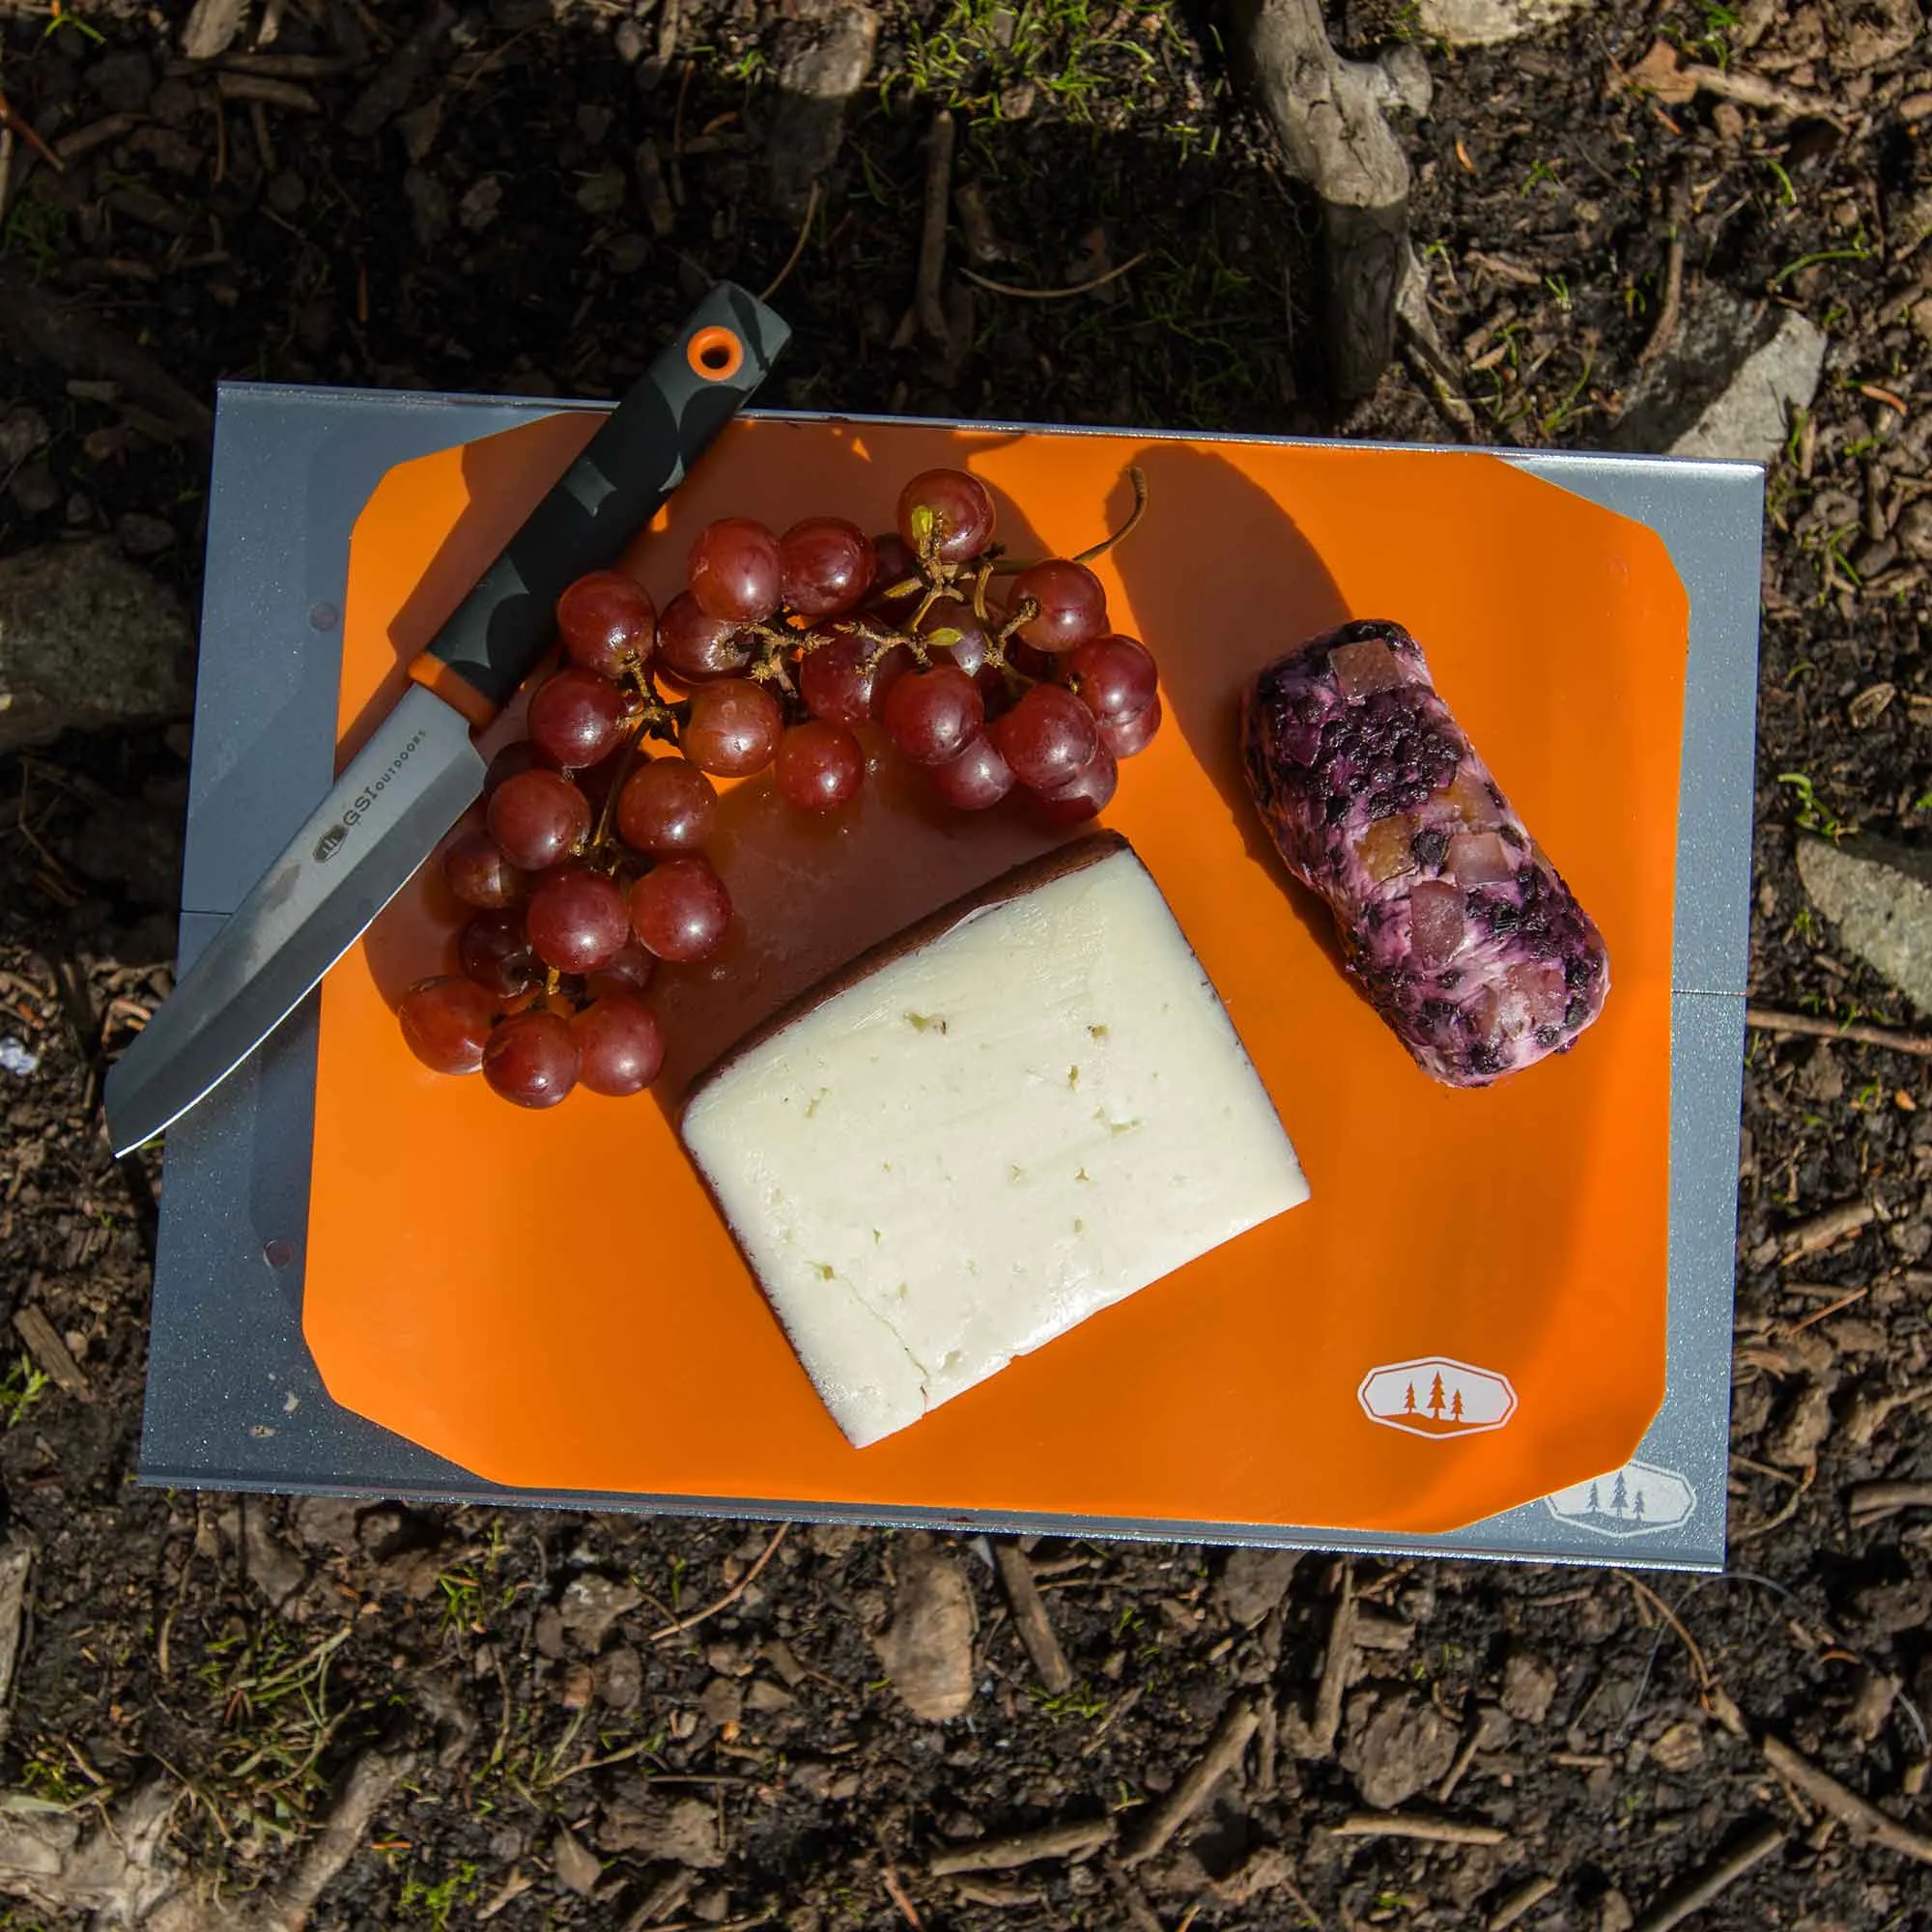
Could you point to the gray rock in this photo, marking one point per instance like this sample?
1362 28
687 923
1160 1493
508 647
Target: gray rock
682 1831
1879 897
591 1603
212 28
34 488
1914 529
142 535
23 433
1254 1582
1404 1746
927 1652
1728 387
816 83
1488 23
88 641
1528 1687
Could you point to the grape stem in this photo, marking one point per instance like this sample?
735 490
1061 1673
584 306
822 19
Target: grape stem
1100 549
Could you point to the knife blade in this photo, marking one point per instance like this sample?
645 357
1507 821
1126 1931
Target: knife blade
420 769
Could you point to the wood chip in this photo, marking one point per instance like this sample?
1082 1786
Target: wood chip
1030 1617
1863 1819
1224 1753
50 1353
1027 1848
1720 1878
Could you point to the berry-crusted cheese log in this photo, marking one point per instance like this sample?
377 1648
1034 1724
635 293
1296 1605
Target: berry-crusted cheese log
1451 915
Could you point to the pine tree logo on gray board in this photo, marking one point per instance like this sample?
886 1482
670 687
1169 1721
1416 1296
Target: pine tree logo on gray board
1639 1499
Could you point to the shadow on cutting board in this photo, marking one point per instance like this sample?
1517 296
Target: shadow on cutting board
1222 583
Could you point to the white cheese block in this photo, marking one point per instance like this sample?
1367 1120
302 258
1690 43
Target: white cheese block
1017 1113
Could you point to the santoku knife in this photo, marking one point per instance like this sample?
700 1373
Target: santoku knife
421 770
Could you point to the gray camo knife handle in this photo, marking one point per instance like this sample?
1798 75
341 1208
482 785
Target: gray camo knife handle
702 377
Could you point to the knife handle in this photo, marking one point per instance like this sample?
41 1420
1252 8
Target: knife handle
640 454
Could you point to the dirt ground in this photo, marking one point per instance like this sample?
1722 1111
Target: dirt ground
517 196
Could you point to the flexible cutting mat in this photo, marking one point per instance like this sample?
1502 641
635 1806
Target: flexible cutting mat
557 1306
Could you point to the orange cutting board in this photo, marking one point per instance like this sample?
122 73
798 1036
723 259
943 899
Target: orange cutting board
548 1300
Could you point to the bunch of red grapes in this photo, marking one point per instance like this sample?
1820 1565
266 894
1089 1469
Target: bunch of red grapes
589 865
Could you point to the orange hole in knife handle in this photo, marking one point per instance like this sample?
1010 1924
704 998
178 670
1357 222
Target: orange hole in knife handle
716 354
453 687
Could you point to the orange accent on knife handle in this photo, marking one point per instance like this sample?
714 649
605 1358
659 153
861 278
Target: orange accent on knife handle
640 453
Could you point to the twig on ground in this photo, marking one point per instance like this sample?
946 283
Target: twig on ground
928 314
1751 1531
1316 1737
778 281
1085 288
1646 1595
1826 1229
1027 1848
1466 1756
729 1597
1720 1878
1224 1752
1524 1899
1030 1617
6 166
1856 1814
897 1891
1665 331
1769 1019
1751 90
1871 1500
1429 1831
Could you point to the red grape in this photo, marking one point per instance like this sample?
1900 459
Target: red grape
1124 736
1073 604
733 729
607 621
576 716
1087 793
1048 737
933 716
978 777
666 805
694 647
577 920
819 766
446 1023
532 1059
950 504
518 755
536 817
840 682
734 570
680 909
825 565
495 953
478 873
1115 676
620 1045
631 971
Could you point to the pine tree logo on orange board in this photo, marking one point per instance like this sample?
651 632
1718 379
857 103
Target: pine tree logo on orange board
1436 1396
